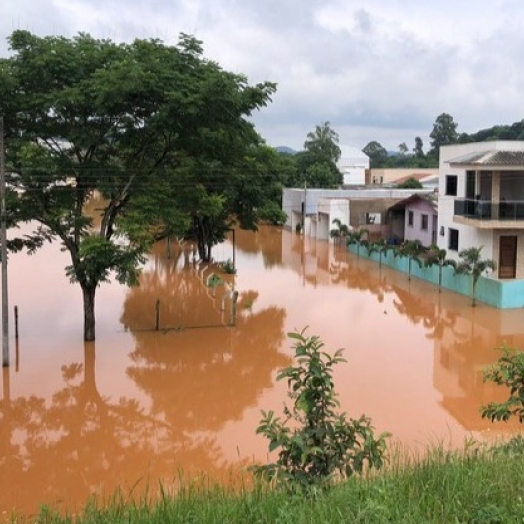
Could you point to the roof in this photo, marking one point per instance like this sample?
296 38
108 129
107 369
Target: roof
490 158
416 176
431 199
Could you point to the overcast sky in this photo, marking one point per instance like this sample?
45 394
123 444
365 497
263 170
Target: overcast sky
376 69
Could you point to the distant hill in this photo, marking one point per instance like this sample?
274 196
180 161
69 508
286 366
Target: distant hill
285 149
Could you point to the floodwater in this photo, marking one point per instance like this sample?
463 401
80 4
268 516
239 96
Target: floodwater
141 406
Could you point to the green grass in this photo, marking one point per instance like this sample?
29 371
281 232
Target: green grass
478 486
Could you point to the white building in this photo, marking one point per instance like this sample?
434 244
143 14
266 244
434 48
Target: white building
353 164
313 210
481 202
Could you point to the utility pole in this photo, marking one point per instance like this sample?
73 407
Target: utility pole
3 252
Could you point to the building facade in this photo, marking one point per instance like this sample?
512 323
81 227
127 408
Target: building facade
481 203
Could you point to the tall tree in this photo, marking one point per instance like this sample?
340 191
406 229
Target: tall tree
419 147
444 133
377 154
323 142
144 125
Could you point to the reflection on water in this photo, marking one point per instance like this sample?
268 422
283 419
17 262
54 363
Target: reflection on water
146 404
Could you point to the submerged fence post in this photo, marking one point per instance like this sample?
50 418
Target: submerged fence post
234 308
157 315
16 322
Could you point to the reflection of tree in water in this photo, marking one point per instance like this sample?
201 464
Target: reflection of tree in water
347 270
267 240
185 300
198 379
77 442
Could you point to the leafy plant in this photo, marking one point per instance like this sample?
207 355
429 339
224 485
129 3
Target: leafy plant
472 264
437 257
321 444
508 371
357 237
412 250
228 267
380 246
341 230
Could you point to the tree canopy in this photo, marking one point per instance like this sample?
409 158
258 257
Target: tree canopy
158 131
323 143
444 133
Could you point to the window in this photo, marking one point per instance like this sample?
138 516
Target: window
453 239
410 218
451 185
370 218
424 222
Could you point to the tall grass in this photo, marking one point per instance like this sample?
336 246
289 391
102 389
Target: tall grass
478 484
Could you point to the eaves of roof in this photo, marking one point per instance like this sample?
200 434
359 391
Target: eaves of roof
491 158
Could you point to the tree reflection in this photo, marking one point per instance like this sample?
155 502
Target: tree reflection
206 373
267 240
78 443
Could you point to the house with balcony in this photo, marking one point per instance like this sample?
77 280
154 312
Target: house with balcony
481 203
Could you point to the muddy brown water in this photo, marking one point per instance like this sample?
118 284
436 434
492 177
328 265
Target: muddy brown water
141 406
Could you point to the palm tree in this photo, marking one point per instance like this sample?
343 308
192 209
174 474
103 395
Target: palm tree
380 246
437 257
410 249
341 231
357 237
472 264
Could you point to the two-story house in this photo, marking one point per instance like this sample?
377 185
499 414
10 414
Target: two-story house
481 203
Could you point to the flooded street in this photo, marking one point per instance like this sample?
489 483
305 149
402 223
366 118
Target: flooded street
140 405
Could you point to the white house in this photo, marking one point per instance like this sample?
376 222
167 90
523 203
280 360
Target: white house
353 164
481 202
313 210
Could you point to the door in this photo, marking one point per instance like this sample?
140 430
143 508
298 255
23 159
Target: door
507 256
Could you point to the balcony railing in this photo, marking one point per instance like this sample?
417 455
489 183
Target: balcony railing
488 210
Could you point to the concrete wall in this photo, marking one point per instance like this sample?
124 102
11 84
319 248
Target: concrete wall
505 294
388 176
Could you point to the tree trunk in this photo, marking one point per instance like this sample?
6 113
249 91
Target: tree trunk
89 312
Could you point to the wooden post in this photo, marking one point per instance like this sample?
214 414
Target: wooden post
157 315
234 308
16 322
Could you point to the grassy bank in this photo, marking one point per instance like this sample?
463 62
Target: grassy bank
479 486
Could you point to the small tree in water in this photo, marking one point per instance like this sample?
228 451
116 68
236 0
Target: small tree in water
472 264
322 444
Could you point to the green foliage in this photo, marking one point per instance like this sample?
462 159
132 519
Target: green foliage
158 133
435 256
321 443
228 268
412 250
377 154
444 133
97 257
472 264
323 143
508 372
410 183
379 246
341 230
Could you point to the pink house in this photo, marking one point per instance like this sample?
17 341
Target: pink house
415 218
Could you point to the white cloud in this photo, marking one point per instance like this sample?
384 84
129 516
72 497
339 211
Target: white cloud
377 70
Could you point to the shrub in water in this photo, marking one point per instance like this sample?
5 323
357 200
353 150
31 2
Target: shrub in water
321 444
